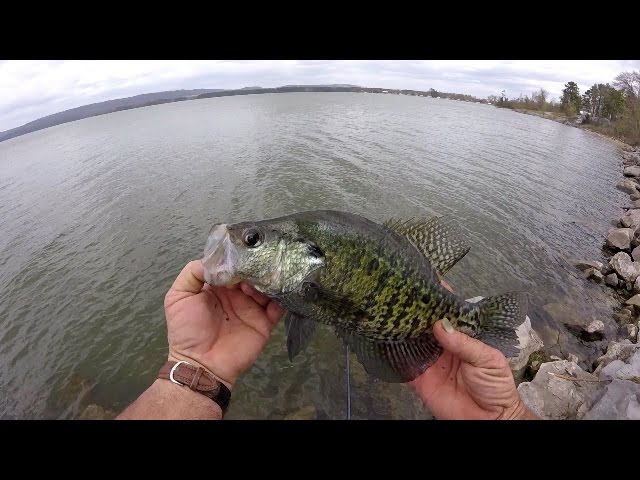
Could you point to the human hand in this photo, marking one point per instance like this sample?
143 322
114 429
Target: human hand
222 329
469 381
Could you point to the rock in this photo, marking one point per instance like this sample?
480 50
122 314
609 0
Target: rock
635 254
595 275
595 326
619 402
624 267
628 286
611 280
621 395
627 186
634 197
634 204
636 285
622 350
587 264
631 219
623 317
529 342
556 397
305 413
573 358
635 300
567 315
631 171
620 238
630 331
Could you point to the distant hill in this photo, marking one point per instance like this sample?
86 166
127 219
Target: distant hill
101 108
147 99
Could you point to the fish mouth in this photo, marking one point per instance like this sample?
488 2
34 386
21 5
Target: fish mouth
220 257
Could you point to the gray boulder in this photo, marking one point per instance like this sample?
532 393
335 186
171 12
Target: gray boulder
630 332
631 219
587 264
529 342
631 171
635 300
622 350
624 267
595 274
619 402
621 397
635 254
620 238
560 390
624 315
627 186
611 280
634 196
567 315
595 326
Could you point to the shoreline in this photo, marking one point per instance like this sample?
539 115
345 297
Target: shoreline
563 119
608 388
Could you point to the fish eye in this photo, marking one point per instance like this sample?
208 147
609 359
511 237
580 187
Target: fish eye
252 238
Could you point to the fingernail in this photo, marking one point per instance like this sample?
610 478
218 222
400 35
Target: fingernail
446 324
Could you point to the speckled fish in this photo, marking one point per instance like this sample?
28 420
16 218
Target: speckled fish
377 285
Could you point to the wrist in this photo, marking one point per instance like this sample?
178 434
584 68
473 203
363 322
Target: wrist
177 357
165 400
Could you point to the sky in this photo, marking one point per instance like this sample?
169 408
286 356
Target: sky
33 89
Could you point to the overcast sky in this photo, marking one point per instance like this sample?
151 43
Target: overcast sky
34 89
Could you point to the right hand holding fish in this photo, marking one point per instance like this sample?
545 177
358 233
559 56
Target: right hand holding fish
469 381
222 329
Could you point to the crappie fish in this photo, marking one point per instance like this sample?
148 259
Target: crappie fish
377 285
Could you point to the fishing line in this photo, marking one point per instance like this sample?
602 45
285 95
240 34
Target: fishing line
348 386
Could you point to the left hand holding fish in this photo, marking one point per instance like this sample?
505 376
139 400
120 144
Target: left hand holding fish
222 329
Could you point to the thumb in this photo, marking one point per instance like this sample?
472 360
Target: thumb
463 346
190 279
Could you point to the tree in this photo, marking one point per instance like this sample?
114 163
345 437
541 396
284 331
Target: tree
571 100
629 84
542 97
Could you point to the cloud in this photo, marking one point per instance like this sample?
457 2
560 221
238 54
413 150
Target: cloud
33 89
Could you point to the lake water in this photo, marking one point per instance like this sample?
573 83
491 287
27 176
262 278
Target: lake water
98 216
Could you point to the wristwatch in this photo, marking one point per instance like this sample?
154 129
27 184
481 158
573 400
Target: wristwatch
198 380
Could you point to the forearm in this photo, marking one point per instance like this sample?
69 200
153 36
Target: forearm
165 400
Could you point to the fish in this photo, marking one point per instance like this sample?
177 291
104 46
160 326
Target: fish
378 285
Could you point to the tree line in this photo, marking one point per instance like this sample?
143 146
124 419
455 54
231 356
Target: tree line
612 108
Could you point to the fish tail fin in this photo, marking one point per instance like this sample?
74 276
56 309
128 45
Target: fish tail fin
500 316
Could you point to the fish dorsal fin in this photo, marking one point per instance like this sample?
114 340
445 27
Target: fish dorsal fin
393 361
438 241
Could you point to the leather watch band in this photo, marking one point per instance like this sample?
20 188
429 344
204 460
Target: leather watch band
198 380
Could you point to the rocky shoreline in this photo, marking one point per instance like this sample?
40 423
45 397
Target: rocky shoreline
609 388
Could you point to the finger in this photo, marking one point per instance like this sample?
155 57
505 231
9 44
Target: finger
260 298
190 279
466 348
274 312
446 285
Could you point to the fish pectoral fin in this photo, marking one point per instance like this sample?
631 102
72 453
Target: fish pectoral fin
314 293
439 242
299 331
394 361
